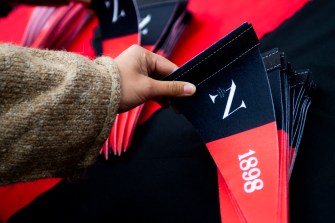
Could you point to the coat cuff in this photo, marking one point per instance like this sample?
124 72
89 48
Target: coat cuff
112 110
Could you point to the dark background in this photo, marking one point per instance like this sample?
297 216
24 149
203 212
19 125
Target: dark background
170 177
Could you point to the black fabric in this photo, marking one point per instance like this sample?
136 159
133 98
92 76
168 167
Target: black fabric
233 60
308 40
168 42
153 2
271 60
162 18
173 179
4 8
225 51
169 176
292 92
116 20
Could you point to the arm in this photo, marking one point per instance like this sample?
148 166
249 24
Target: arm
56 110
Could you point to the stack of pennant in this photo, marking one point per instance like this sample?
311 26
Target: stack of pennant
55 27
155 25
162 23
249 109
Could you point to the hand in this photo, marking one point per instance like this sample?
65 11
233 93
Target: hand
138 67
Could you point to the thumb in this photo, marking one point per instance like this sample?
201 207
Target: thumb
171 89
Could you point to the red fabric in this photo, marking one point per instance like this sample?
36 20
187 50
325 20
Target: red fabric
212 19
12 27
283 173
113 47
263 142
229 210
83 45
16 196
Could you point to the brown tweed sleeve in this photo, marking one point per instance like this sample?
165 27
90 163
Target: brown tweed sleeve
56 110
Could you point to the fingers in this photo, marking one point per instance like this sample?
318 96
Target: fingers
170 89
139 70
147 62
158 66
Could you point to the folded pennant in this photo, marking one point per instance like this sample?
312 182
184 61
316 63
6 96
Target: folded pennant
118 25
292 92
302 90
39 17
169 42
249 109
118 30
233 112
55 28
157 19
278 85
157 26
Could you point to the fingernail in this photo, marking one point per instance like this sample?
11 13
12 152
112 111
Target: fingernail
189 89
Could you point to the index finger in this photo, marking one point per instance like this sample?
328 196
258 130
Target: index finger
158 66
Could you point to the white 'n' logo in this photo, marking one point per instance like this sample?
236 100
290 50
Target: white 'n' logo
116 16
231 90
144 22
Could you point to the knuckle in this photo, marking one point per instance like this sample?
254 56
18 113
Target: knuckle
134 47
174 88
150 86
146 56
